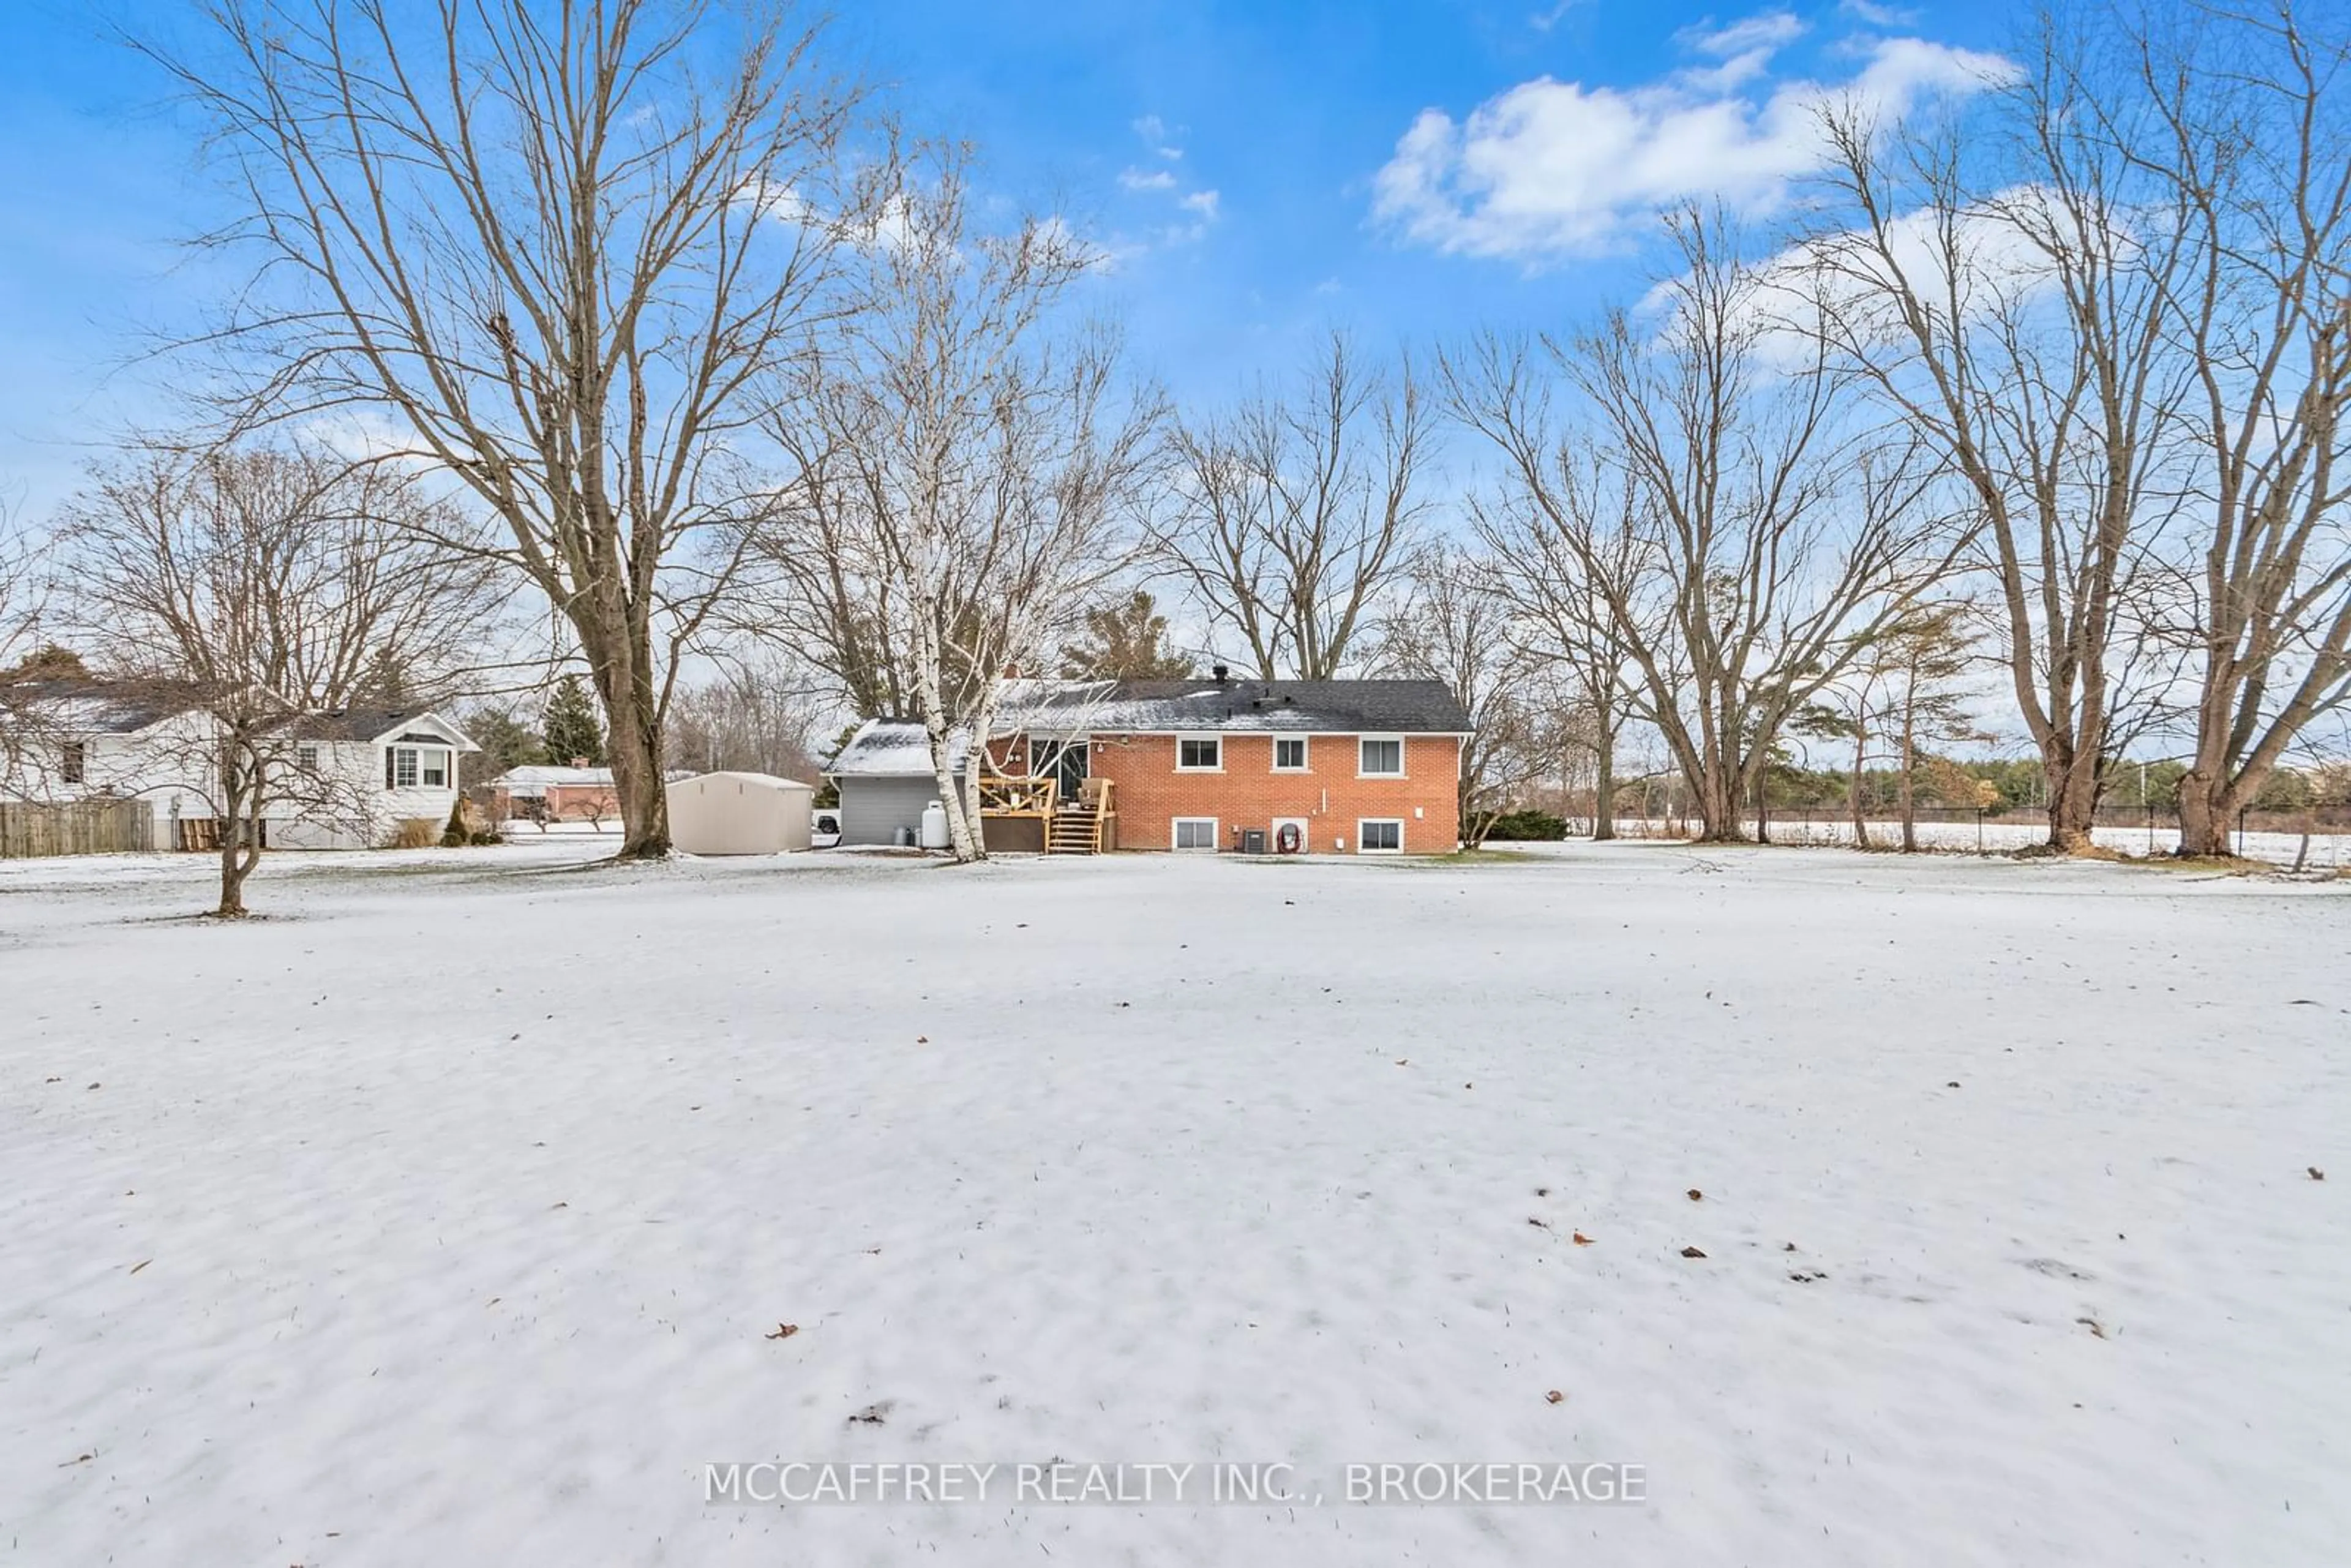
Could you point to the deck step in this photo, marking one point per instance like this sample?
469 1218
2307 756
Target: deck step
1071 833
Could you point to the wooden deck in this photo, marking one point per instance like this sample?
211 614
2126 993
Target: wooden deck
1084 826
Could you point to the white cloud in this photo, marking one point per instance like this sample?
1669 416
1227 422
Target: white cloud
1875 15
1544 21
1770 30
1203 205
1551 169
1154 131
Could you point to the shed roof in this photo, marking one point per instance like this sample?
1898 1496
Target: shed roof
765 780
889 748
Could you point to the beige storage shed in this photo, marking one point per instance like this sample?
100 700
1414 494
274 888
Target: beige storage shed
739 814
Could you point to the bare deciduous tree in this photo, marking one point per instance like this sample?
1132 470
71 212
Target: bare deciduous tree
1561 619
990 465
564 250
249 591
754 716
1756 541
2000 289
22 600
1454 626
1294 515
2250 137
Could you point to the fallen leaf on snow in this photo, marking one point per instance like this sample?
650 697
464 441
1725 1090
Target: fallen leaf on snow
1694 1195
1692 1252
1555 1397
1582 1240
136 1267
785 1331
2317 1175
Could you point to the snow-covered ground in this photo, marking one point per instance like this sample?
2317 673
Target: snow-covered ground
2327 851
451 1216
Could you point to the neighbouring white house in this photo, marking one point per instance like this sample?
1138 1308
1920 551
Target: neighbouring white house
349 779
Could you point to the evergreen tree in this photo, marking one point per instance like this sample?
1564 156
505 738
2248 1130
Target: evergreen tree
574 731
49 663
1125 641
506 742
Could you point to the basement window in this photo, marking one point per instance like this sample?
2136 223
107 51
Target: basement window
1380 837
1194 833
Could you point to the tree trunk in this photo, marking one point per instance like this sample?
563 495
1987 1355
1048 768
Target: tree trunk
2207 807
238 789
1603 788
1909 797
1852 792
1718 806
2073 803
621 663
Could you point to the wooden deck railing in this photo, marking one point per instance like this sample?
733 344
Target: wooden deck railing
1006 795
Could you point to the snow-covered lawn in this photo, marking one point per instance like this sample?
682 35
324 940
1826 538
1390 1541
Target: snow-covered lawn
2328 850
450 1217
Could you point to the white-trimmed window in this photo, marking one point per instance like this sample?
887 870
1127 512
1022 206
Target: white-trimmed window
306 758
1380 757
1380 836
1199 754
73 762
1192 833
1290 754
406 766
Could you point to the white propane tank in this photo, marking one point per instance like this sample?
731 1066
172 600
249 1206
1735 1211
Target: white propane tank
934 826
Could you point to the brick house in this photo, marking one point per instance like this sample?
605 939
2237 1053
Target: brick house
1284 767
547 794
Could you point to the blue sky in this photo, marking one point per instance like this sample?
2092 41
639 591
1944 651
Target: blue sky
1261 171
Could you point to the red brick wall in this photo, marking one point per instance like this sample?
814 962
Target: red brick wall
1149 794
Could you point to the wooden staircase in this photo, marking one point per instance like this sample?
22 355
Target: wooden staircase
1076 828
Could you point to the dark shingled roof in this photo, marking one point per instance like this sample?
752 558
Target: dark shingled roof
358 723
85 704
1404 707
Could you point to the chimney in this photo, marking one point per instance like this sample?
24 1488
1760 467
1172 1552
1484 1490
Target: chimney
1222 672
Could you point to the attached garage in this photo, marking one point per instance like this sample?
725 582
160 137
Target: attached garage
884 774
739 814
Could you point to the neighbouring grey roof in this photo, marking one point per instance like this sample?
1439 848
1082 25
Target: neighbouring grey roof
82 707
889 748
374 724
1148 708
125 707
